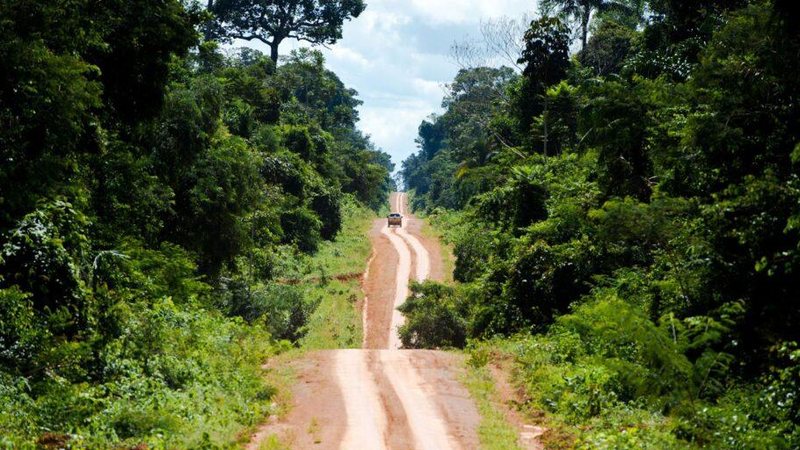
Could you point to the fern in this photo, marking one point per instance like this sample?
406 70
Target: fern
709 374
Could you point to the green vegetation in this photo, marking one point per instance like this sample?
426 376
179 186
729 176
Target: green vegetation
316 21
337 322
626 218
155 197
434 318
494 431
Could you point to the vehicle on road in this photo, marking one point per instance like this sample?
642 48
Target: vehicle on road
395 220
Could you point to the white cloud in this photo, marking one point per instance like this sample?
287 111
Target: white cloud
398 124
396 56
468 11
428 88
382 20
348 55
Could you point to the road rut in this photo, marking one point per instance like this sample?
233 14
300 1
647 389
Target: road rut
382 397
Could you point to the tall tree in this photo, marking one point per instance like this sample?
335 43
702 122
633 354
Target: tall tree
272 21
582 10
471 103
546 60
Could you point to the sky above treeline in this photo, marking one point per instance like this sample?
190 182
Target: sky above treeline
397 56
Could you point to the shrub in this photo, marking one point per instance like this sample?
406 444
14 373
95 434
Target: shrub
21 335
302 228
282 309
45 256
433 319
327 204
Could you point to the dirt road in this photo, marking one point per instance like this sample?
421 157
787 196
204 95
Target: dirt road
381 397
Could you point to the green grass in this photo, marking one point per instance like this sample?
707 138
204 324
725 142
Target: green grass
282 376
494 432
351 249
336 323
273 443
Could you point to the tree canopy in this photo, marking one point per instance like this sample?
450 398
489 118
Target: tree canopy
633 233
318 22
153 193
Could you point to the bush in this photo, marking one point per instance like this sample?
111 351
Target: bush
433 319
302 228
174 371
21 334
45 255
327 204
282 309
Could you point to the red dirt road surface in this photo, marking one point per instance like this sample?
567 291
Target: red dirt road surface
382 397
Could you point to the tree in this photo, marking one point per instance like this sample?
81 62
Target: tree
70 69
582 11
546 59
676 34
616 122
546 54
272 21
471 102
500 42
319 93
608 48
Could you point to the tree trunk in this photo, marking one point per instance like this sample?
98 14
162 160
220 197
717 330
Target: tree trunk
273 47
546 117
587 15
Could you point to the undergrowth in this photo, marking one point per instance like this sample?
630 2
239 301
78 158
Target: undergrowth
606 375
335 284
494 431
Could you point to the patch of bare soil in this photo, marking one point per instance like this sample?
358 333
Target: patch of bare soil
316 419
379 289
510 399
379 397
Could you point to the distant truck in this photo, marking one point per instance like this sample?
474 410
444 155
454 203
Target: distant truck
395 220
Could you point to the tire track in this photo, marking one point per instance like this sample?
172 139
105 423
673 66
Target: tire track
423 416
365 414
386 398
422 259
401 285
405 246
429 430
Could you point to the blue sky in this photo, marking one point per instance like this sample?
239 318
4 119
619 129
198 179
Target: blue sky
396 55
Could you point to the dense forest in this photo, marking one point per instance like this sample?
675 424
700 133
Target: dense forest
154 185
624 205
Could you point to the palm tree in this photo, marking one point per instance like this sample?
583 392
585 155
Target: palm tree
582 10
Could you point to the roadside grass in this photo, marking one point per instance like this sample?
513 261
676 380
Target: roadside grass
494 432
448 258
282 376
348 254
273 443
335 284
336 322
